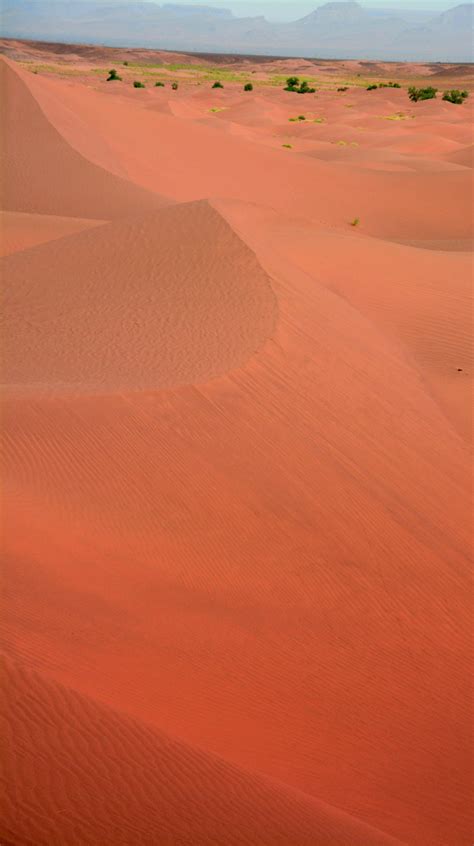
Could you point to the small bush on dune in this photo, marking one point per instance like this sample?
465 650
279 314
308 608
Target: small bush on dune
455 96
126 64
343 88
288 146
293 84
372 87
355 222
174 86
218 85
113 76
248 87
416 94
305 89
159 84
137 84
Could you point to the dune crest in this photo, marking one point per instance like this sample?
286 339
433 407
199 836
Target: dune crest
41 173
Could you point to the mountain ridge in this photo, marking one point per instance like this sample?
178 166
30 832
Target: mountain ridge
333 30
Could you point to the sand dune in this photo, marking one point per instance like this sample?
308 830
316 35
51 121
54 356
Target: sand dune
236 543
18 230
169 298
40 173
464 156
190 162
172 793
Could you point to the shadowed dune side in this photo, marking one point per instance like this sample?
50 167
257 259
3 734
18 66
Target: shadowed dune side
78 773
41 173
167 298
19 231
464 156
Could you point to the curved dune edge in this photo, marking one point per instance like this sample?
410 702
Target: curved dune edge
187 159
414 306
20 230
88 774
41 173
168 298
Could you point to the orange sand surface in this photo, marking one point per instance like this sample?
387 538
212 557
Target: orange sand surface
236 436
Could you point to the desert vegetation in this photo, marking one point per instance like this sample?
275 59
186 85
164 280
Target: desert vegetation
138 84
294 85
113 76
159 84
416 94
218 84
174 86
376 85
455 96
248 86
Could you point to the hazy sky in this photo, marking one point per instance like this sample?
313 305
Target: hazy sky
292 9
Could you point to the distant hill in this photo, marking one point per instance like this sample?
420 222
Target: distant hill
333 30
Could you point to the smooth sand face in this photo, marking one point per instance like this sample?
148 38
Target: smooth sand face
236 497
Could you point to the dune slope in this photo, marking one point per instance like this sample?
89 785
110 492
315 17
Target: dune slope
41 173
168 298
236 536
170 792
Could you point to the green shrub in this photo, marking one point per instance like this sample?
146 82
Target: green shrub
372 87
174 86
248 86
125 63
416 94
137 84
218 85
113 76
305 89
455 96
288 146
343 88
301 117
159 84
292 83
355 222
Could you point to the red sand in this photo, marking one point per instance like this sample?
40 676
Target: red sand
235 450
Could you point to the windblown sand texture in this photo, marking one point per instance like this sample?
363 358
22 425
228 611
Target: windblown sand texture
235 460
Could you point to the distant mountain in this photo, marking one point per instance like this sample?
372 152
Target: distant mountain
335 14
448 37
333 30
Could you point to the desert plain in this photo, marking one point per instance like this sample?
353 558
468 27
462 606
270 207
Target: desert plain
237 375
